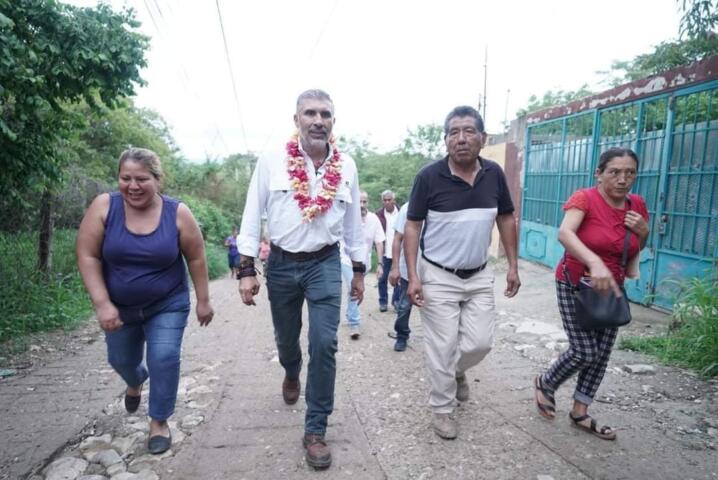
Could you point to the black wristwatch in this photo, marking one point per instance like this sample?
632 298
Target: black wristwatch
359 269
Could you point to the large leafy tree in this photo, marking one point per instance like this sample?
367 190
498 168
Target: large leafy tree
53 54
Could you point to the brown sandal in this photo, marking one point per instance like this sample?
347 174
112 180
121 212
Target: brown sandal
546 410
606 433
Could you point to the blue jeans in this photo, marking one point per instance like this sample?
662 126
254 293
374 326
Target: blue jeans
403 312
289 283
383 289
353 316
160 326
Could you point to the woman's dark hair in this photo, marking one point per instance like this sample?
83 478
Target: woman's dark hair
612 153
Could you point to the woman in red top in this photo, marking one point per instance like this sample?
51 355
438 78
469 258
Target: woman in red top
593 232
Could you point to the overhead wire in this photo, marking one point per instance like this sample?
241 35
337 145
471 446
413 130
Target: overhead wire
184 77
308 59
231 75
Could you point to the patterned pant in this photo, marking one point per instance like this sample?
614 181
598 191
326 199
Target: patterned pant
587 354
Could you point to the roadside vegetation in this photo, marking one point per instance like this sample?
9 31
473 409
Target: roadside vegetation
692 339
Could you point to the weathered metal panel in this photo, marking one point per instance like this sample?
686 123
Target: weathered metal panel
665 82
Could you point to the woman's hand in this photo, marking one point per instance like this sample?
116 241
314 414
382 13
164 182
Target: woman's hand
602 279
108 317
635 222
205 313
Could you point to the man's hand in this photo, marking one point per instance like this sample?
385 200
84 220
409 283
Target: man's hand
394 276
512 282
358 287
248 288
416 296
108 317
205 313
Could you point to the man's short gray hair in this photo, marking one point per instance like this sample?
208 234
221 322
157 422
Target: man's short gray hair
316 94
388 193
464 111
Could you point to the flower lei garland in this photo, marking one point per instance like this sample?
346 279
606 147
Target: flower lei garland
312 207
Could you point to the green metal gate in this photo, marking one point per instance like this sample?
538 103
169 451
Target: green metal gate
676 138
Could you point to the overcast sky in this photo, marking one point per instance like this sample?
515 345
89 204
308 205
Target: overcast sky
388 65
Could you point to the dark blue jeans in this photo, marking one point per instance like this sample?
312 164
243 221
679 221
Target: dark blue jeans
289 283
160 326
383 288
403 312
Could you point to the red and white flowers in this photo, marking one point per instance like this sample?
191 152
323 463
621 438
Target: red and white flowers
311 207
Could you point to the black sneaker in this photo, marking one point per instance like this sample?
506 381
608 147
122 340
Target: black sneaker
382 308
400 345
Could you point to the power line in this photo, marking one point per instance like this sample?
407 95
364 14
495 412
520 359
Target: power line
183 75
231 75
309 58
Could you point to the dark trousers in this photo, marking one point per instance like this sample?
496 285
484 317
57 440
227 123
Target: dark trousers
383 285
289 283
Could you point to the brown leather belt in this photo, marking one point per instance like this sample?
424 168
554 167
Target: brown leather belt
320 254
462 273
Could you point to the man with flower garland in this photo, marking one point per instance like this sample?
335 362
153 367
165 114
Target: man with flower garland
311 199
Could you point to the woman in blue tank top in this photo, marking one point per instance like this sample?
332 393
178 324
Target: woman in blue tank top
131 249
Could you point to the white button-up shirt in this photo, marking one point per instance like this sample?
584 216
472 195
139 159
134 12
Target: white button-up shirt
270 191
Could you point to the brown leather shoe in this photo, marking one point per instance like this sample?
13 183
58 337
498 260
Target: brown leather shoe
291 390
319 455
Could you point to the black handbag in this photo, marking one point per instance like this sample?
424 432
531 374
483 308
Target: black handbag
595 311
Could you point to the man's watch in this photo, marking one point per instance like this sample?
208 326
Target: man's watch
361 268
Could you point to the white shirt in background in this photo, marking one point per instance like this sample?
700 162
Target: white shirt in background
390 220
372 233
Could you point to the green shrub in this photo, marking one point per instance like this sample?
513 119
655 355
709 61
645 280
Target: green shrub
215 224
692 340
31 301
216 261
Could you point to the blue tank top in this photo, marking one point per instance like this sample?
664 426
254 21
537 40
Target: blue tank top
139 270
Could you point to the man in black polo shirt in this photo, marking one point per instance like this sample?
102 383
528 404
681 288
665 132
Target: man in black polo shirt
457 200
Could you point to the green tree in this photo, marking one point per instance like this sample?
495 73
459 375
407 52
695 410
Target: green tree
553 98
700 18
426 140
53 54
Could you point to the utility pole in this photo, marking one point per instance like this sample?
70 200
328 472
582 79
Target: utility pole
506 110
486 61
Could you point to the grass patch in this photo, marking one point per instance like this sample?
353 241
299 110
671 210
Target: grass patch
32 301
692 340
216 260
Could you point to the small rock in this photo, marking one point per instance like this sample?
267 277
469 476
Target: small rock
116 469
640 369
147 475
123 445
544 477
646 389
66 468
125 476
201 390
522 348
107 458
92 477
191 421
101 442
713 432
198 406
